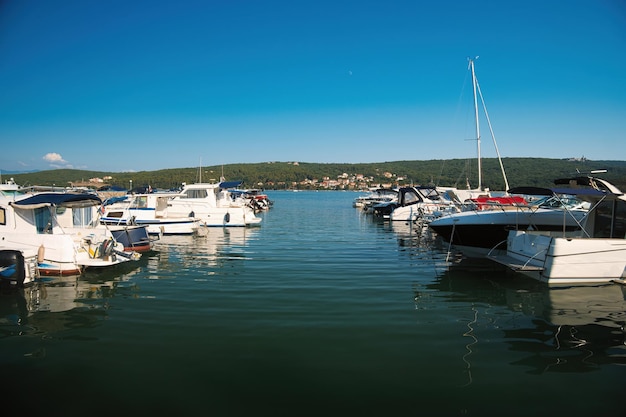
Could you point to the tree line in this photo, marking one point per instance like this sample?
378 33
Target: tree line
538 172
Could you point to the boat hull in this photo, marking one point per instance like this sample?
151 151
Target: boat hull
554 259
475 233
226 217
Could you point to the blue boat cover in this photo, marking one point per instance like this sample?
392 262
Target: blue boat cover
58 199
230 184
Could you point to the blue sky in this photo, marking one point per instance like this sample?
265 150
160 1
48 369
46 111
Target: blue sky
147 85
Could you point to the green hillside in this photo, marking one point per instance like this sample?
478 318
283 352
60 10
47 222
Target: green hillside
289 175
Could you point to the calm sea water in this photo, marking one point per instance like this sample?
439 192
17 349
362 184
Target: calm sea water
319 312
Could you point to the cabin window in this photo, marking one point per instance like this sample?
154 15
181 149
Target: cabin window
195 194
82 216
3 216
43 220
605 226
411 198
140 202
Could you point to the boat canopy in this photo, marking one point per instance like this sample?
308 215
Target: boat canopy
57 199
230 184
582 193
597 183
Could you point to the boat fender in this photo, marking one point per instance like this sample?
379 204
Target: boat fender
227 218
41 254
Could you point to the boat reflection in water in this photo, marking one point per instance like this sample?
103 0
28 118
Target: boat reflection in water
60 303
209 250
550 329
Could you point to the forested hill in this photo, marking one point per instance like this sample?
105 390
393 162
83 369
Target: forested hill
539 172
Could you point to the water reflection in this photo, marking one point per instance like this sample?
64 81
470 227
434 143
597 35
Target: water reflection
562 329
211 250
53 304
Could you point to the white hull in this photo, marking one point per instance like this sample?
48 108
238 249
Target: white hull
227 217
60 228
149 210
67 254
213 206
421 211
182 226
561 260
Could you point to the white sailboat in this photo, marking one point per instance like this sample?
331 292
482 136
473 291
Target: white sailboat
476 231
464 194
426 205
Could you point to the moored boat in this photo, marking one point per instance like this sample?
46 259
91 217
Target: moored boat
476 232
375 196
213 205
595 253
61 228
420 203
149 210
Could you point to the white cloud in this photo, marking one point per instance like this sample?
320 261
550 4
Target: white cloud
54 158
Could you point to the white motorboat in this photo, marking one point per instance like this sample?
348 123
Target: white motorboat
595 253
61 228
476 232
255 198
150 210
415 204
375 196
213 205
9 186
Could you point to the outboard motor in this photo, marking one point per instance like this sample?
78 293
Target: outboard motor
12 273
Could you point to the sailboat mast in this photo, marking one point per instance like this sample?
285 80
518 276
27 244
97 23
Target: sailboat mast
480 169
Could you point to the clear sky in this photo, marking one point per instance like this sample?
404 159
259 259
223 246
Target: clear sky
122 85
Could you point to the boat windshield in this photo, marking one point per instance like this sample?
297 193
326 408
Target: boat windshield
568 202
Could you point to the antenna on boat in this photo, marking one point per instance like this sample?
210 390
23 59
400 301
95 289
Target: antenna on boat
474 84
